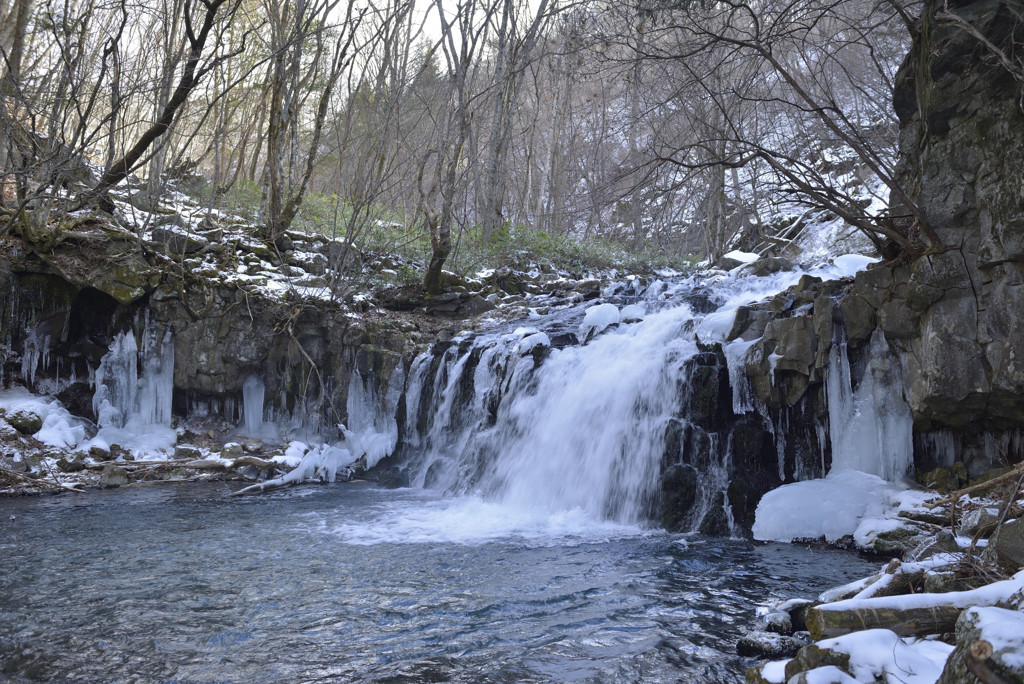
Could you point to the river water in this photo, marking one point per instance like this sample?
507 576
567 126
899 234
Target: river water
350 582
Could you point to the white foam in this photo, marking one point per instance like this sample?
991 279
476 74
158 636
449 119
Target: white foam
470 520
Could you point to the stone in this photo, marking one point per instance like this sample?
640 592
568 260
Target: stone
25 422
8 433
779 622
232 450
190 452
945 480
99 454
829 674
858 319
678 491
71 464
1007 544
989 642
175 243
252 446
728 263
979 519
113 476
812 657
768 265
769 645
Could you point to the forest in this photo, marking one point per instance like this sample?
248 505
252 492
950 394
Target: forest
679 129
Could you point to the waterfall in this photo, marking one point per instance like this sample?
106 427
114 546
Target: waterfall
536 427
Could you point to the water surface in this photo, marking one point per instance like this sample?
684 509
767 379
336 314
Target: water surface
349 582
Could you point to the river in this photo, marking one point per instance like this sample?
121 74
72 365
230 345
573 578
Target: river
354 583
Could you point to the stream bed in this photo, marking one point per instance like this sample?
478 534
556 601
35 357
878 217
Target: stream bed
353 583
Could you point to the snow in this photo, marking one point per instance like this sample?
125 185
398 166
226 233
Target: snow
830 674
59 428
832 507
632 312
597 318
526 345
881 655
1002 628
745 257
774 672
997 592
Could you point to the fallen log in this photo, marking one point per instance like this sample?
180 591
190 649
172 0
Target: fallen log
908 615
825 624
981 486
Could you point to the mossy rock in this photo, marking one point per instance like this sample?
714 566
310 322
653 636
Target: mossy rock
945 479
812 657
25 422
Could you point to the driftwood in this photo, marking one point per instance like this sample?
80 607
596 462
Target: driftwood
34 480
265 486
825 621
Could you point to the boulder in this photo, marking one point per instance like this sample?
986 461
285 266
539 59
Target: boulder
192 453
71 464
977 520
1007 545
768 265
989 648
25 422
175 243
113 476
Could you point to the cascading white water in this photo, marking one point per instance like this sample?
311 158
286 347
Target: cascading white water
580 428
585 432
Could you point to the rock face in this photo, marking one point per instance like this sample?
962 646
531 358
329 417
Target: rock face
61 310
962 135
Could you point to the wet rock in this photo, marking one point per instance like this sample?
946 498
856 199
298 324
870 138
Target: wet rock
113 476
71 464
232 450
679 491
100 454
769 645
25 422
715 522
192 453
768 265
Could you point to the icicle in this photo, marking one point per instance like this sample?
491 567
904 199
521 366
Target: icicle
871 429
253 391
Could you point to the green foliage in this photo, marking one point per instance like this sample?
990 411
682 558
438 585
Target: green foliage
241 199
522 247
